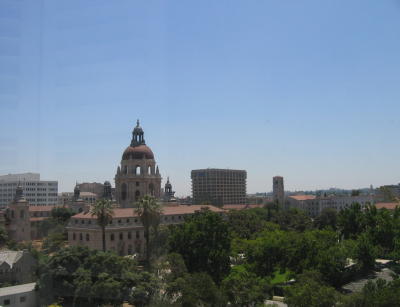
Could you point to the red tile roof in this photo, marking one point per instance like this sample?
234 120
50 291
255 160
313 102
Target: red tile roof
41 208
129 212
390 206
37 219
242 207
302 197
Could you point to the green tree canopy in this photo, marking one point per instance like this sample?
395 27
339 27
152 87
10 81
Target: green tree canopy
84 277
244 288
310 291
203 240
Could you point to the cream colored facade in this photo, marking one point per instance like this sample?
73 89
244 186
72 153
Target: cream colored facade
125 235
313 206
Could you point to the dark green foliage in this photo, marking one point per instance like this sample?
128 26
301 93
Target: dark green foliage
90 277
61 214
327 219
311 250
56 223
310 291
246 223
292 219
365 252
351 221
204 243
53 242
199 289
375 294
245 288
185 289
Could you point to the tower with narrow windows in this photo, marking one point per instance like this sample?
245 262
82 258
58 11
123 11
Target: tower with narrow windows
169 194
138 174
278 190
19 225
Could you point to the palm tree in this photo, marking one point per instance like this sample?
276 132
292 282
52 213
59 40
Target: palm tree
104 212
149 212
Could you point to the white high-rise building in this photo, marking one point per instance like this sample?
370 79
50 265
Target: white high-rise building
37 192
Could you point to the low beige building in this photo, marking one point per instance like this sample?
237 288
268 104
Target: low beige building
125 234
313 205
19 296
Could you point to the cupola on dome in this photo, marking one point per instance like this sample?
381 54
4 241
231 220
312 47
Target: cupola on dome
138 148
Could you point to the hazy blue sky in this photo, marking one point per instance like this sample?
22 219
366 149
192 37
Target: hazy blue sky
309 89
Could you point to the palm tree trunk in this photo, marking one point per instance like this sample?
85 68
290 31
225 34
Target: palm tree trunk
103 230
147 237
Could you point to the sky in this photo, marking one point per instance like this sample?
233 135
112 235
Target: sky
308 90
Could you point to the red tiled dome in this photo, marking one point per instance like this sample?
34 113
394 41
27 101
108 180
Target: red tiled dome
137 152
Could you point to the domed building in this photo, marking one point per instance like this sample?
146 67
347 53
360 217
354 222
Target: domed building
138 174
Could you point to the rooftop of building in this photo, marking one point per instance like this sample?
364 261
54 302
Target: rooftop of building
389 206
138 152
170 210
218 169
302 197
41 208
17 289
10 257
20 176
81 194
242 206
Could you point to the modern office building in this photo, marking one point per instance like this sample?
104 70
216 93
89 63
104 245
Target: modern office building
37 192
219 186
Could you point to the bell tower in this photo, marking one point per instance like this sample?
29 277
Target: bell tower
19 225
138 174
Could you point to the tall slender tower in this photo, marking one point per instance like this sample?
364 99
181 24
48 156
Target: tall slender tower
278 190
19 226
138 174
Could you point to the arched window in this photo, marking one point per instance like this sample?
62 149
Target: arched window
149 170
137 195
121 236
125 170
137 170
87 237
129 235
80 237
112 237
124 191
